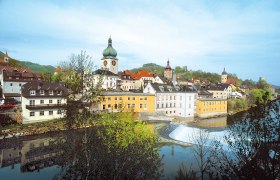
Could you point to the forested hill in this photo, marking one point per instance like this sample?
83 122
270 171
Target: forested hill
183 72
34 66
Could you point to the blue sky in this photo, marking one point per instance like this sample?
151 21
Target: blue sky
242 36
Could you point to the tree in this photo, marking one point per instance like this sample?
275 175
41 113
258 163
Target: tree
116 148
253 145
202 149
262 84
258 96
77 76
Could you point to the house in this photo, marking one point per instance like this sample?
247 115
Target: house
208 107
144 77
160 80
203 93
221 91
5 59
173 100
104 78
126 102
13 78
128 82
42 101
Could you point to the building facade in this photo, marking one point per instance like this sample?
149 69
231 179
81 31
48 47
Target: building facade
172 100
43 101
208 107
126 102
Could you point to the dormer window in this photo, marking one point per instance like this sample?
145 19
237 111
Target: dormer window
42 92
59 92
32 92
51 92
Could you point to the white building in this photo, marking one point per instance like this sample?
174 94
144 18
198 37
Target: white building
42 101
222 91
101 78
173 100
109 60
11 80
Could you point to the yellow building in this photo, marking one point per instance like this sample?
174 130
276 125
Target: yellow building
208 107
127 102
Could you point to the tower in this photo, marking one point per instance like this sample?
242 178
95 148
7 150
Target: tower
224 76
168 71
109 60
6 57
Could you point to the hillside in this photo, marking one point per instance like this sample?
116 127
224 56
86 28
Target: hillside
183 72
34 66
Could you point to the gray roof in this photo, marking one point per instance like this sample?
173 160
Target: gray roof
46 86
212 99
218 87
170 88
122 93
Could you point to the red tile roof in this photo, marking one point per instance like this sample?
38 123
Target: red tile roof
141 74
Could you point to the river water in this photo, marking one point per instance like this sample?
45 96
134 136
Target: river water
36 157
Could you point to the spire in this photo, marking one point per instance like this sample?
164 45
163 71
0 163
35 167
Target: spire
224 72
6 55
168 65
110 41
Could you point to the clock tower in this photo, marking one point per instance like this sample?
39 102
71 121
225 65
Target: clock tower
109 60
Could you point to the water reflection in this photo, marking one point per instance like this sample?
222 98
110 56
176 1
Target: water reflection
79 154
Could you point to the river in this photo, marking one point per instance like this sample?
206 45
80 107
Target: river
38 157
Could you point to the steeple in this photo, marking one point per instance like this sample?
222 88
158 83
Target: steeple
6 57
109 51
168 65
224 72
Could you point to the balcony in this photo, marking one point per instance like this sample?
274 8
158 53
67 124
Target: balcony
45 106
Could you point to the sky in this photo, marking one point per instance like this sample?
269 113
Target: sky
242 36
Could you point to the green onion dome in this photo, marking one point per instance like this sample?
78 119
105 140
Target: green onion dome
109 51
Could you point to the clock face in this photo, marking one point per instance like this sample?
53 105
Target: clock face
113 63
105 63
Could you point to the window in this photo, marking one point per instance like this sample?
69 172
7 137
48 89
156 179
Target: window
41 101
11 84
32 114
140 105
59 101
51 92
141 98
104 106
41 113
42 92
157 105
59 92
32 92
59 111
128 98
133 105
109 99
116 106
145 106
19 84
32 102
128 105
116 98
50 113
50 101
120 98
133 98
109 106
120 105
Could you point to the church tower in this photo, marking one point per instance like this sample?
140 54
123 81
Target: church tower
109 60
168 71
224 76
6 57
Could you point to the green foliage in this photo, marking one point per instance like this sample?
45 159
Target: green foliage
262 84
151 68
121 129
34 66
259 96
116 148
237 105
